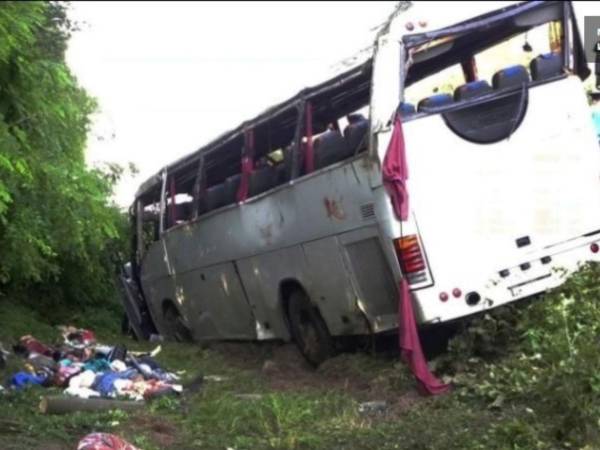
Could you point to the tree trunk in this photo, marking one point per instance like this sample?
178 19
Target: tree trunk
66 405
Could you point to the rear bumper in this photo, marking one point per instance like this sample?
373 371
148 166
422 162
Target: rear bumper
539 272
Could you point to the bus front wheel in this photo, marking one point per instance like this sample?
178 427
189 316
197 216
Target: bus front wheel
177 329
309 329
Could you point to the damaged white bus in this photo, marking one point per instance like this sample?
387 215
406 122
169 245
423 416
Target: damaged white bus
282 228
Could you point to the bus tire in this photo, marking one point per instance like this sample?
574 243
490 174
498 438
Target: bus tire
126 327
177 330
308 329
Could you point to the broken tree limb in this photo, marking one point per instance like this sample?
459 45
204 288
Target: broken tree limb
66 405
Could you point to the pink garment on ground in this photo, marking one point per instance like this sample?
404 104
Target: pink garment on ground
34 346
247 166
104 441
410 346
309 154
395 172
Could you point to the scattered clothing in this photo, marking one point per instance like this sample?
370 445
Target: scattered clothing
97 365
85 379
32 345
104 441
118 352
63 374
23 379
86 369
118 365
78 337
81 392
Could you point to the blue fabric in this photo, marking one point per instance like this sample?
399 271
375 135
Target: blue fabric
23 379
105 383
596 120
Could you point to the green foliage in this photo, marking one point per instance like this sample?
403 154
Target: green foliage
58 231
544 363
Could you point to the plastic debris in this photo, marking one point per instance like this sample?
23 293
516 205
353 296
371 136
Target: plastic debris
215 378
375 407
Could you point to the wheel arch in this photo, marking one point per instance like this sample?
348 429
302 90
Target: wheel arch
286 288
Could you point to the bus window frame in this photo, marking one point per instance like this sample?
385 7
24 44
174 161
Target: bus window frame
451 35
163 203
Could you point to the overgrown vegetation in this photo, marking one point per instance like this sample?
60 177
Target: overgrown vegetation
542 362
58 232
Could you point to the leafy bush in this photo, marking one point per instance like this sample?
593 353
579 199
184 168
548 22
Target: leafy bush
539 366
58 230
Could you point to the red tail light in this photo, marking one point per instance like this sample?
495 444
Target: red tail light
594 248
409 254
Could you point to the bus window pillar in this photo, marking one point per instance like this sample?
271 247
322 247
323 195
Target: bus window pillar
199 187
163 202
297 144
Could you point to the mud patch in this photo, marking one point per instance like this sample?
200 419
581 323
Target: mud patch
363 376
159 431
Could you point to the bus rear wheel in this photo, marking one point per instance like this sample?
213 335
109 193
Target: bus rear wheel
176 328
308 329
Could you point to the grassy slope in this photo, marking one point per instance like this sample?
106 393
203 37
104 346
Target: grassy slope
296 407
503 402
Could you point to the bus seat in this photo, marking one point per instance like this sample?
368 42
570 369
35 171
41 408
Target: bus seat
262 180
356 135
232 185
285 168
511 76
546 66
472 90
329 148
434 101
406 109
184 211
282 174
214 197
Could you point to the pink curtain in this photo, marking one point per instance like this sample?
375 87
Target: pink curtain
395 174
247 165
410 345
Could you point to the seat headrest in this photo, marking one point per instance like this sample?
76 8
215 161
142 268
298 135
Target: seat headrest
511 76
546 66
406 109
434 100
355 118
472 89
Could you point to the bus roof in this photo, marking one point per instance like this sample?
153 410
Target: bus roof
434 50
